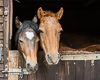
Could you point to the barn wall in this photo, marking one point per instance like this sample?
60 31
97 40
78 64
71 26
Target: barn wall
77 19
4 36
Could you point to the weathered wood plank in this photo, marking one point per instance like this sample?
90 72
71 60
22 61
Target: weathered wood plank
13 63
70 70
1 19
1 27
1 2
5 48
60 71
89 71
51 72
2 59
32 77
41 72
97 70
1 10
1 67
6 3
2 51
3 79
1 35
77 52
79 67
1 75
10 18
5 24
65 70
21 62
1 44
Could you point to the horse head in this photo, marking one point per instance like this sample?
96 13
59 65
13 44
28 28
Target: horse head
27 40
50 30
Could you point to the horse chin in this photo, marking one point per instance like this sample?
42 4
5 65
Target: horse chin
31 71
49 63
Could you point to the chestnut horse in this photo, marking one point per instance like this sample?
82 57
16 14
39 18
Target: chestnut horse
27 40
50 30
86 47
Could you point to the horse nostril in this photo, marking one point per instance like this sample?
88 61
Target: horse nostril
28 65
48 57
36 67
58 56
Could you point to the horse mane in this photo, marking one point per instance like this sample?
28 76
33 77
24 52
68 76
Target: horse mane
26 24
48 13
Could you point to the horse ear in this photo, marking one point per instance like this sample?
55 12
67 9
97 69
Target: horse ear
59 13
17 22
40 12
35 19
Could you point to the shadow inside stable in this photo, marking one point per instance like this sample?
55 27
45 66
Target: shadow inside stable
80 21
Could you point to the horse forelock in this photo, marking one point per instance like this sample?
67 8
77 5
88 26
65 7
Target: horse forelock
48 13
26 24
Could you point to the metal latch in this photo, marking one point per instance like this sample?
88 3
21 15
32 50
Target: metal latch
0 52
17 71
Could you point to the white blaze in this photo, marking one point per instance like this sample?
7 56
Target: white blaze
29 35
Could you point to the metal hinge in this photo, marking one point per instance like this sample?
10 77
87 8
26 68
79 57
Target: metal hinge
6 11
81 57
17 71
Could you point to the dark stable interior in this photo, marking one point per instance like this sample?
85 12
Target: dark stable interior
80 21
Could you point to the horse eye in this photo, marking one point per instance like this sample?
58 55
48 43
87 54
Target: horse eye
44 12
20 41
18 24
40 31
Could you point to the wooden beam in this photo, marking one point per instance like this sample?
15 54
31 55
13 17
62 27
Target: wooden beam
5 50
1 10
76 52
1 19
11 17
13 63
1 2
74 55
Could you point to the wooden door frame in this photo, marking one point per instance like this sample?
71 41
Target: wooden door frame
7 32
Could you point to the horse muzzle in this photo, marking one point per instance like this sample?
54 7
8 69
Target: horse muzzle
31 68
52 60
